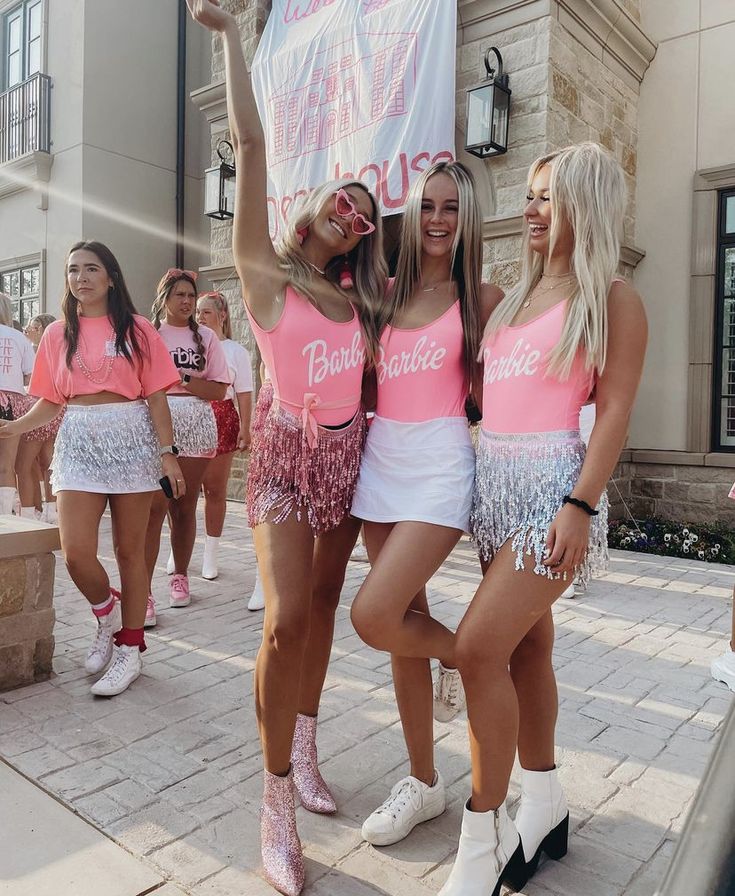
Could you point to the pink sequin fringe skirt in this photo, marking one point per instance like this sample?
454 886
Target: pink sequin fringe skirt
15 404
47 431
228 425
262 406
287 476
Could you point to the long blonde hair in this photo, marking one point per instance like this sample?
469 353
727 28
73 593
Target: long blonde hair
466 265
220 303
586 189
366 260
6 310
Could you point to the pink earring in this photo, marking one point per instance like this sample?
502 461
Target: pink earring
345 275
301 234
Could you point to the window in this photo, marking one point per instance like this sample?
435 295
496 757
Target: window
23 285
21 43
724 359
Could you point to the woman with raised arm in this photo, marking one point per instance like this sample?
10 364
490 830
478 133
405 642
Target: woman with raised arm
307 453
539 507
111 369
198 355
233 423
414 491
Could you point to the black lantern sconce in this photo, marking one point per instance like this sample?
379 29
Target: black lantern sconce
488 111
219 184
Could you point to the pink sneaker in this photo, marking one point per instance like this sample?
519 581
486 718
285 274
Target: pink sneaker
150 613
180 596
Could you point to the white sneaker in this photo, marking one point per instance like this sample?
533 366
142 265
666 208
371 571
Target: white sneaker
410 802
449 698
100 653
126 666
257 598
569 592
170 563
723 668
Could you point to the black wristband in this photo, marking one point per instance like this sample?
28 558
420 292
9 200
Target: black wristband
578 502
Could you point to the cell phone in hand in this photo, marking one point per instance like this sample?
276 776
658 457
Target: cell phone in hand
165 484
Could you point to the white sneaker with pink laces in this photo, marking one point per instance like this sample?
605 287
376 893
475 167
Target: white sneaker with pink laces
180 596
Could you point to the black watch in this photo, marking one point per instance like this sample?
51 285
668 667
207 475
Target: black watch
185 379
170 449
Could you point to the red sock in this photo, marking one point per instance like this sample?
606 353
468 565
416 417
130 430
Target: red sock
131 637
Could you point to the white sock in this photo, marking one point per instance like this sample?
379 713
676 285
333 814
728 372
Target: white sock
29 512
105 603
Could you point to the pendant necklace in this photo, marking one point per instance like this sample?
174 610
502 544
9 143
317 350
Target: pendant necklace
566 279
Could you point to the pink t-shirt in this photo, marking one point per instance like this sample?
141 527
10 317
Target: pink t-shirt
96 366
421 372
518 395
184 352
16 359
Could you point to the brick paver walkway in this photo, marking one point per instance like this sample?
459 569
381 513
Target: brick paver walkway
171 768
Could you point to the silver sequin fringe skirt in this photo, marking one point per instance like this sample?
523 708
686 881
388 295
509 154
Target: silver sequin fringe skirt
109 449
287 476
520 481
195 427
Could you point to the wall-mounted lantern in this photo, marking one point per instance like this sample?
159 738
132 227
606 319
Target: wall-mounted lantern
488 111
219 184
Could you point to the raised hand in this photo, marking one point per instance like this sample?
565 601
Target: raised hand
210 14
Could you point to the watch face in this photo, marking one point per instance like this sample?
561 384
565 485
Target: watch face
174 451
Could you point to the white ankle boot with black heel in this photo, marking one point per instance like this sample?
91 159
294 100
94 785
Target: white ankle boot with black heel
489 851
542 822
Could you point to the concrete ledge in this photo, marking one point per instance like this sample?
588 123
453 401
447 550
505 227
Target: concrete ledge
682 458
20 537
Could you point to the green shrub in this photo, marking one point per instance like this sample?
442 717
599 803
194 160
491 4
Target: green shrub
714 543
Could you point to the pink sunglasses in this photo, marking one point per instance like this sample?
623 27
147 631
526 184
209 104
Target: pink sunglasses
344 206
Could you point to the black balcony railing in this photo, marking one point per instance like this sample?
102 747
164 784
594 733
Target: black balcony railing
24 118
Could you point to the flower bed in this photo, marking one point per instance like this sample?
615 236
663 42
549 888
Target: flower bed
714 543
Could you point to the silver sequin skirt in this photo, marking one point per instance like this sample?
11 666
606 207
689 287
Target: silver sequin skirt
520 481
109 449
195 427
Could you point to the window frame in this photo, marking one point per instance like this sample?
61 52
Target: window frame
724 241
25 263
7 11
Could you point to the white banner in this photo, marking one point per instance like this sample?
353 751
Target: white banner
355 88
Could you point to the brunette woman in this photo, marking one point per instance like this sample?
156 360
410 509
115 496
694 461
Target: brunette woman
111 369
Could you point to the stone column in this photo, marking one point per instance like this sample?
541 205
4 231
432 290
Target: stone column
26 600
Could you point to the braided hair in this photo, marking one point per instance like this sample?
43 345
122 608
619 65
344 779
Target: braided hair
163 291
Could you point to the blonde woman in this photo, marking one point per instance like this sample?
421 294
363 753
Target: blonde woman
233 423
539 507
415 487
36 448
307 452
17 354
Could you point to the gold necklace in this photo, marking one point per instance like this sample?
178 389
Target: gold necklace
540 291
314 267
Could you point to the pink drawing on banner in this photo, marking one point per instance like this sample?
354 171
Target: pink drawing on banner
369 6
338 94
296 10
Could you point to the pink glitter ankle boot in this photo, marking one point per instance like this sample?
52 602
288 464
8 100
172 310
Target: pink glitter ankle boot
283 859
310 786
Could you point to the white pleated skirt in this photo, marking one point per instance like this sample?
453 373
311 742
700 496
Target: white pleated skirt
423 472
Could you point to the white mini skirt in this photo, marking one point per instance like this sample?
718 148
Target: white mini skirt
423 472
